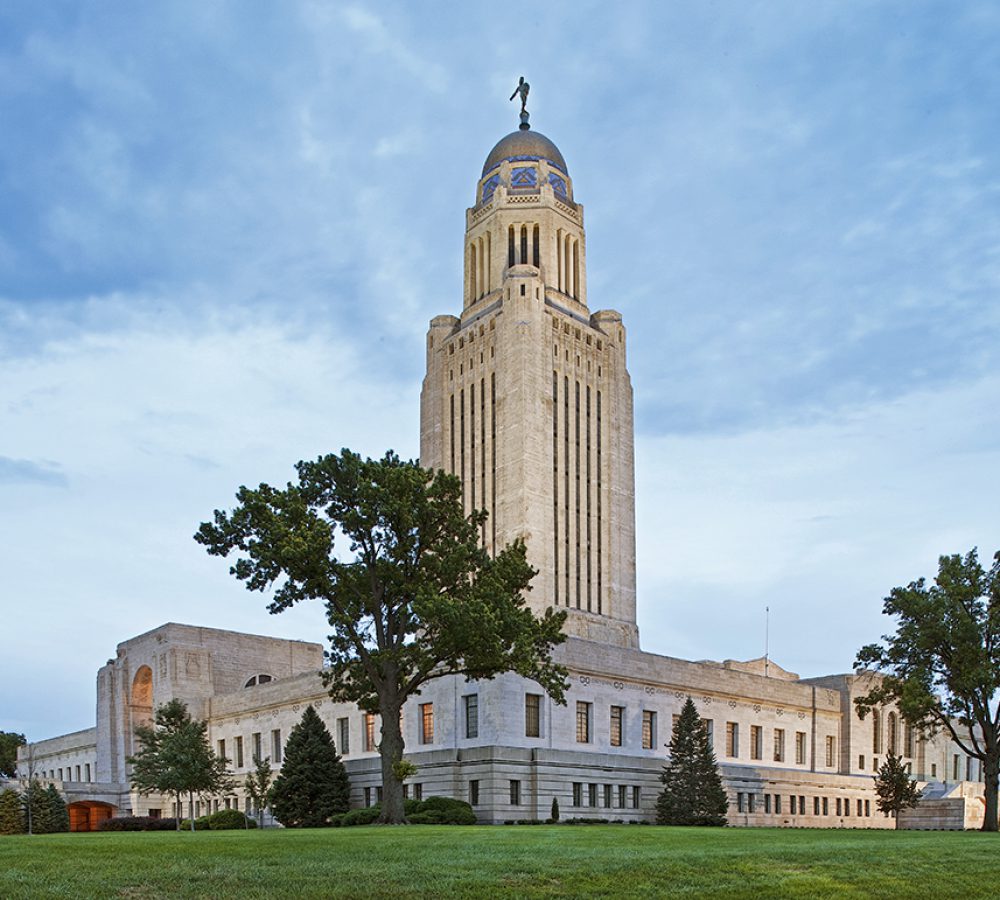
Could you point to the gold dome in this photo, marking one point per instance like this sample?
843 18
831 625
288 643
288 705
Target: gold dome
524 144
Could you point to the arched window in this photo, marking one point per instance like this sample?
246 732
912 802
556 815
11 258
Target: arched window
535 260
472 271
891 735
876 732
524 244
141 697
510 246
258 679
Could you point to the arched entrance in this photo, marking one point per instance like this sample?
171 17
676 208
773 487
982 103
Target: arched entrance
87 815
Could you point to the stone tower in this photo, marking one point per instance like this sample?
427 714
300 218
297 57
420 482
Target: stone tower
527 398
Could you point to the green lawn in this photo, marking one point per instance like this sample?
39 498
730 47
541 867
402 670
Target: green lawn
537 861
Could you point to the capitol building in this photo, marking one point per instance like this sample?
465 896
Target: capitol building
527 398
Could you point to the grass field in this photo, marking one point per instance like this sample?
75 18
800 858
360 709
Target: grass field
542 861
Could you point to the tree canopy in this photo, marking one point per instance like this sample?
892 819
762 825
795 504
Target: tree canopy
692 787
942 665
414 597
175 758
9 742
312 785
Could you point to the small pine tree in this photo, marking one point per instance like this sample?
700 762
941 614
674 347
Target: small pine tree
313 783
57 813
11 813
555 810
37 808
692 788
894 788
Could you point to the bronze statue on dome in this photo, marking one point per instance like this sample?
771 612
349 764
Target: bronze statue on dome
522 88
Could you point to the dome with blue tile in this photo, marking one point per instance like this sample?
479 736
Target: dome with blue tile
524 145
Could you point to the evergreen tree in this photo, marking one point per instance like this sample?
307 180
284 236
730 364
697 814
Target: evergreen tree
11 813
57 813
895 789
692 789
554 815
312 784
38 808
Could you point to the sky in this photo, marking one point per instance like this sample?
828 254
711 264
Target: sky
224 228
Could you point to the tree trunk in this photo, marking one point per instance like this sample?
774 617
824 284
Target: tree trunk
191 808
991 771
180 810
391 751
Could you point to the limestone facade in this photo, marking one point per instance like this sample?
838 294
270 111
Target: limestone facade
527 398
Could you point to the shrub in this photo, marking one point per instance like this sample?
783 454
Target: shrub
364 816
138 823
225 819
554 815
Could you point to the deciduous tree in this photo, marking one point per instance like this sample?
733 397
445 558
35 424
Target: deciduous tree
259 785
894 787
175 759
942 665
312 784
415 596
692 788
9 742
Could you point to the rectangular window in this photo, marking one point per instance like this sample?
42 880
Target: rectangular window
777 804
617 713
78 772
621 796
515 792
954 768
756 741
418 791
800 748
767 803
368 796
255 743
238 748
406 792
344 735
607 796
276 745
732 739
792 806
577 793
426 723
859 807
831 750
648 729
868 808
861 761
474 792
826 806
635 797
369 732
86 769
779 744
710 731
583 722
472 715
532 715
802 805
740 802
221 752
378 794
591 795
815 806
751 803
933 770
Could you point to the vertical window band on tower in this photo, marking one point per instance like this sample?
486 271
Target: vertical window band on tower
566 477
600 522
461 446
555 482
482 449
589 489
472 446
493 454
576 466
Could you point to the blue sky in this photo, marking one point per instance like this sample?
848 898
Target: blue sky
224 228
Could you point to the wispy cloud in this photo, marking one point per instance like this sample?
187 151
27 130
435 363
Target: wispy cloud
26 471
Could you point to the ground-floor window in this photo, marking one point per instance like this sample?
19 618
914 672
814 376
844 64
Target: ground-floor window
515 792
591 795
577 793
635 797
474 792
